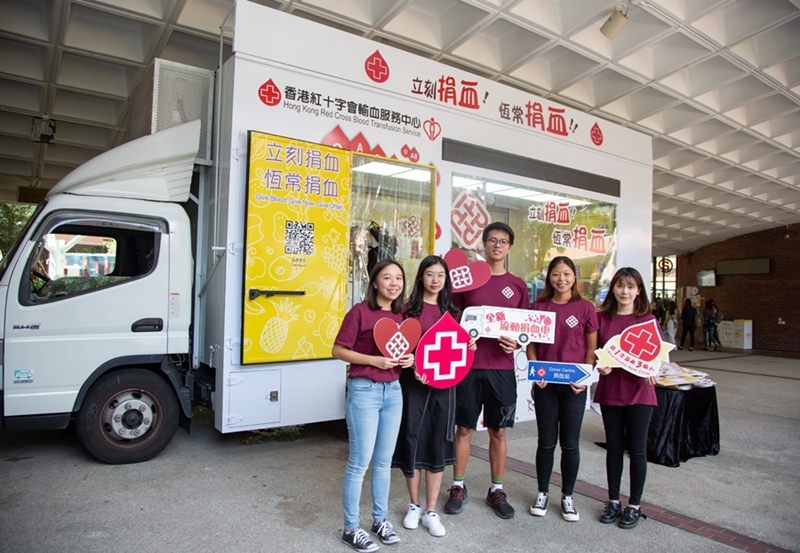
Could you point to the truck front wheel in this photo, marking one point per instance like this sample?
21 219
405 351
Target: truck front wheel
128 416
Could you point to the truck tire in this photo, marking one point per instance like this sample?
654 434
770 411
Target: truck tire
128 416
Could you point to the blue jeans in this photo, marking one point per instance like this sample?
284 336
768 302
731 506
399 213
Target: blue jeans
373 411
708 336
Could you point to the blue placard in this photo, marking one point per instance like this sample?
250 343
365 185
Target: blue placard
558 373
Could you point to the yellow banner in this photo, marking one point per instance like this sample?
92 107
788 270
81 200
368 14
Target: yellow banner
297 249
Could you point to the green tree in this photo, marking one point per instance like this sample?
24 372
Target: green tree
12 218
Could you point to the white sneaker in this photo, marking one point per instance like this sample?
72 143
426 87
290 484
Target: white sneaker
539 507
433 523
411 520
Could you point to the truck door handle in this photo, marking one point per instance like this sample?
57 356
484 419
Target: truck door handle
255 292
155 324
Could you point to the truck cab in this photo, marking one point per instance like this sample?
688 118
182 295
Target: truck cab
97 302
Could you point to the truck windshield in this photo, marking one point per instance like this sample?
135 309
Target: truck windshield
9 255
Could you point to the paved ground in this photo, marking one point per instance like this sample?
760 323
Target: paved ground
211 492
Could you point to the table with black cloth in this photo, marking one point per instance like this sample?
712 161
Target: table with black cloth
684 425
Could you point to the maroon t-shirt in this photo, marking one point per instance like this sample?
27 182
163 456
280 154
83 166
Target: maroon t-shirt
574 320
430 315
621 388
356 334
504 290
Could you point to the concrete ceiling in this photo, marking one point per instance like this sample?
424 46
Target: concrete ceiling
716 83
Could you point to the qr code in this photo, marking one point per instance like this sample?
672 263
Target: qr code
299 238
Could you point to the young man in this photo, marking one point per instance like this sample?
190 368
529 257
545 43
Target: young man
491 383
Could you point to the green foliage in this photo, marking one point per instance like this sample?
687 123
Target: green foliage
12 218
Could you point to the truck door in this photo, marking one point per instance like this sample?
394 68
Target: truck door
90 288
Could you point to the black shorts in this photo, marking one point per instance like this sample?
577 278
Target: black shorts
494 391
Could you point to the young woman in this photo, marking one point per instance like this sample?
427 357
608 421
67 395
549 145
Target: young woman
671 323
374 403
711 318
626 400
425 442
560 407
688 315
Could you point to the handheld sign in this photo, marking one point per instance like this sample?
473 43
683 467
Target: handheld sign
561 373
442 353
524 325
395 340
466 276
638 349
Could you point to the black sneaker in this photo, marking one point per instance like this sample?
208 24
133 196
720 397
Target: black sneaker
630 518
385 532
497 500
458 498
359 540
611 512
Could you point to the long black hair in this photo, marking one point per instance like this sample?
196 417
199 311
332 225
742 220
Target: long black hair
372 292
641 305
445 297
548 292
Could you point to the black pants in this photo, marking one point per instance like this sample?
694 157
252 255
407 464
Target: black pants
690 331
559 415
626 429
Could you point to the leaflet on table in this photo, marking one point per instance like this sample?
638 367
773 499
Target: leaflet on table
639 350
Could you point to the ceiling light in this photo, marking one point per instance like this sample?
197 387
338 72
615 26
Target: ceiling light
43 129
616 21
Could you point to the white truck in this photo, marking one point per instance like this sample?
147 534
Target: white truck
112 344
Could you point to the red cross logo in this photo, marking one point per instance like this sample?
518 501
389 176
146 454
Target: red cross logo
596 135
269 93
445 356
376 67
640 342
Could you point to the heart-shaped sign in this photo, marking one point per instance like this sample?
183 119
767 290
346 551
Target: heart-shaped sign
442 353
466 276
395 340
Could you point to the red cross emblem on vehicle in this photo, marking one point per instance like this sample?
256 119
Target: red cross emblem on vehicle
376 67
269 93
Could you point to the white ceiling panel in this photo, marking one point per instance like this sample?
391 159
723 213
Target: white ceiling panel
716 83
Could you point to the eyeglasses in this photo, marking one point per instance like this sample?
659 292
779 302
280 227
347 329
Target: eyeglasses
495 241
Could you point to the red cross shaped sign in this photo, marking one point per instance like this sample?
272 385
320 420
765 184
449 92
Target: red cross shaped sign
442 353
638 349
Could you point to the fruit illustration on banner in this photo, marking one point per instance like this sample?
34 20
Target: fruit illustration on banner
396 340
443 355
466 276
638 349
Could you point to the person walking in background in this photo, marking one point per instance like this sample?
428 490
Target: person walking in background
711 320
491 384
374 403
671 323
425 442
626 400
560 407
688 316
